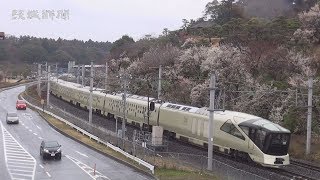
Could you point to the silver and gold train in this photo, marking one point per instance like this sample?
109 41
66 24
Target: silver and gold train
235 133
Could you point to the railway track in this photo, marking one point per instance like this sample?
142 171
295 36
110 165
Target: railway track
306 165
294 175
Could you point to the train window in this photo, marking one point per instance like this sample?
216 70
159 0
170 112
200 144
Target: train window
245 129
184 108
169 105
188 109
228 127
178 107
173 106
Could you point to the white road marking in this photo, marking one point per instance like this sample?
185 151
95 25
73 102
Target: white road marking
9 141
18 167
41 166
82 154
19 160
9 156
27 115
30 130
26 164
35 134
27 127
23 167
87 169
18 174
48 174
40 137
38 127
20 170
17 153
14 149
12 146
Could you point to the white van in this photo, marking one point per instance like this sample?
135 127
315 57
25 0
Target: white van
12 117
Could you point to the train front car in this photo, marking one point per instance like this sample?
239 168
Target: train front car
271 142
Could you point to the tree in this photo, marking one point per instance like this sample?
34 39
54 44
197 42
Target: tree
188 64
224 11
165 32
309 33
60 57
160 55
121 46
185 24
32 53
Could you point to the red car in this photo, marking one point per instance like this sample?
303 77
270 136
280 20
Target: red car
21 105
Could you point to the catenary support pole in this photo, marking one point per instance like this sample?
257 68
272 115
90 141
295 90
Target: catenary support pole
124 105
148 113
57 75
78 74
39 80
48 88
211 117
159 83
83 75
309 118
90 96
47 68
106 79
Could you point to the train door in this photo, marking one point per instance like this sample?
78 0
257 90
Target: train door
194 125
200 127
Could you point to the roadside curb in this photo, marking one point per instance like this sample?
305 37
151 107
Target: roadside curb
99 142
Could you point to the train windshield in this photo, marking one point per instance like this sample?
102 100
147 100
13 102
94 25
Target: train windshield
269 137
277 144
269 142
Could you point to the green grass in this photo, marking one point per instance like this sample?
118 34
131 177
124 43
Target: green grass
173 174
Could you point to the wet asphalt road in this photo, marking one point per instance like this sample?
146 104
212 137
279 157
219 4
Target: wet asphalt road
20 143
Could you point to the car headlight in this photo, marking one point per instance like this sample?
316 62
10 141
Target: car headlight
59 150
46 150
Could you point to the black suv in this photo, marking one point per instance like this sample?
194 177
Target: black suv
50 149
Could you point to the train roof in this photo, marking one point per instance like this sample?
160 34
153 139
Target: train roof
237 116
99 91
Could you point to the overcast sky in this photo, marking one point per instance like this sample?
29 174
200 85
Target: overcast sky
99 20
